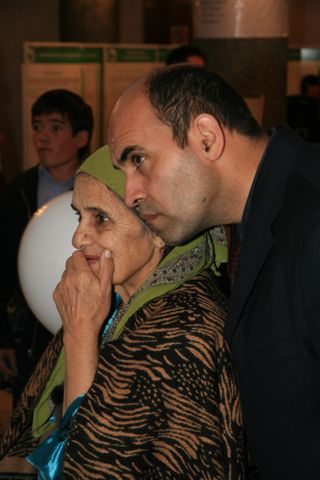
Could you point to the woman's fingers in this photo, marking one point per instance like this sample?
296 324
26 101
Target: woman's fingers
106 271
83 296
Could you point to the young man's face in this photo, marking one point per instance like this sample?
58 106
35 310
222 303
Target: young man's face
54 141
170 184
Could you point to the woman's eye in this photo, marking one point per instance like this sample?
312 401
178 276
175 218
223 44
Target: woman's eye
101 218
77 214
138 160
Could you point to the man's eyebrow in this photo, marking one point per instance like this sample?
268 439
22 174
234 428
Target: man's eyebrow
57 120
126 152
52 120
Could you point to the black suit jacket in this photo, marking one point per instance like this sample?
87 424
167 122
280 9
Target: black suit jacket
273 325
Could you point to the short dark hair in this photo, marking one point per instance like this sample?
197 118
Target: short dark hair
179 93
181 54
69 105
309 80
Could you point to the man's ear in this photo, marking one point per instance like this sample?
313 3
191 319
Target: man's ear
207 136
82 138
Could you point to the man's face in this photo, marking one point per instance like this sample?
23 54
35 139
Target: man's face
54 141
195 60
313 91
170 185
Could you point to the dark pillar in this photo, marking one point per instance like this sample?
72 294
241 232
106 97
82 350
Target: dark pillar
88 21
246 42
167 21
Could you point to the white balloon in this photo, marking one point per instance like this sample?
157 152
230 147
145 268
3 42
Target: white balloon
44 249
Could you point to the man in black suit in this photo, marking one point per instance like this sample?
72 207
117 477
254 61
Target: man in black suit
195 157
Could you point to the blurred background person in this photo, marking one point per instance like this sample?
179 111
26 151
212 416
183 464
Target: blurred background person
303 111
186 54
62 127
310 86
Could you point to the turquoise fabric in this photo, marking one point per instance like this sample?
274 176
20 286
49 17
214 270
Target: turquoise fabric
48 457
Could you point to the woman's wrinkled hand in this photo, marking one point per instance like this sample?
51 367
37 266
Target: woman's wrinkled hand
83 296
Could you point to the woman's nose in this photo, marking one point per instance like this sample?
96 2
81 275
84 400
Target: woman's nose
81 237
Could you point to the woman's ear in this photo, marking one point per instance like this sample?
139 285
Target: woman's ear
159 243
207 136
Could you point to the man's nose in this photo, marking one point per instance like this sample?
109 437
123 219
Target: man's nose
135 192
44 136
41 136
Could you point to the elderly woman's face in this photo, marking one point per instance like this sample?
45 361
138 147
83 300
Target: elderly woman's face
105 223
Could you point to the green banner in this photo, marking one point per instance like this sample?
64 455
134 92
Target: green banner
64 55
163 54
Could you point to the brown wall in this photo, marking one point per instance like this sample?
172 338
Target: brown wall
304 23
20 20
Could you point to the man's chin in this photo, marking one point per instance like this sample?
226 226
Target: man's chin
171 237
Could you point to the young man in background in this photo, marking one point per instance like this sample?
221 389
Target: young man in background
62 127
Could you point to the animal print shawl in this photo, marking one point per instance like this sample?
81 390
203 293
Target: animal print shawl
164 402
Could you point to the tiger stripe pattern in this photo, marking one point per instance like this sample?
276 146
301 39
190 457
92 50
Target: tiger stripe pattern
164 403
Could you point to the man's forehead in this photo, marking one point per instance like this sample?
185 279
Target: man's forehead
129 118
52 116
134 101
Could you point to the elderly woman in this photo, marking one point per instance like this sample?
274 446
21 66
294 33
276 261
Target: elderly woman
148 393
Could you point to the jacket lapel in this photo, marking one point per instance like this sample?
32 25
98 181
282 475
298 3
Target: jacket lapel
266 205
256 249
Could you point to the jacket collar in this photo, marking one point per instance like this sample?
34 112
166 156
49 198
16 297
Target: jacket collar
266 205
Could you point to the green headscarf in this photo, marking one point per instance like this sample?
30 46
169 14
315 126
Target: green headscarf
99 165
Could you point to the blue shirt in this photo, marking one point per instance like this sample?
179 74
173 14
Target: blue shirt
49 188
